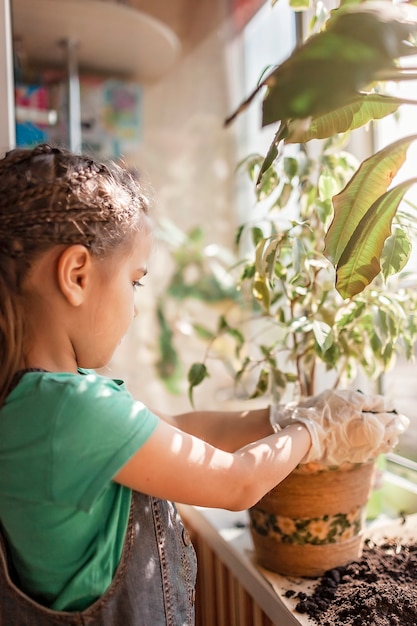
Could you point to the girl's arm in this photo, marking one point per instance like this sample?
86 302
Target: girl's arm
174 465
227 430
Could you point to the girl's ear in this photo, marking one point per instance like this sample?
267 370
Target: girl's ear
74 267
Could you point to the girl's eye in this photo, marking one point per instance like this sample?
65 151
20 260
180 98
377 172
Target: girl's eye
137 283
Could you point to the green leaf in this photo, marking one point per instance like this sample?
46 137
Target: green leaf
349 116
351 313
298 256
248 272
259 256
359 42
242 370
257 235
291 378
261 292
272 152
196 374
301 324
299 5
196 235
323 335
331 356
303 80
239 232
359 263
279 383
262 384
251 163
203 333
267 184
224 327
222 324
270 256
284 196
327 185
359 46
237 336
290 167
396 253
351 205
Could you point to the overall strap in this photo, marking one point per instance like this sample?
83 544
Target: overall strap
153 584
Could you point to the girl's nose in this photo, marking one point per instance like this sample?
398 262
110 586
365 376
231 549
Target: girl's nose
135 310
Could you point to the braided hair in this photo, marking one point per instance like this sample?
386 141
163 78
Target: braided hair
50 196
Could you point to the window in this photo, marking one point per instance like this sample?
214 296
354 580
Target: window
400 383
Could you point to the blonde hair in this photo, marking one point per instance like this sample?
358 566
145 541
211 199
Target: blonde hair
50 196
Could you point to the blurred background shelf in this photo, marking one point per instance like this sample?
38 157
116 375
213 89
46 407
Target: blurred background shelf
110 36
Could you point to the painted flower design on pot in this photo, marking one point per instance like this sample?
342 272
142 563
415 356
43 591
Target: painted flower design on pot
315 531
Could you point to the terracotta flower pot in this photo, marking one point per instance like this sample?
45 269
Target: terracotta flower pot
312 522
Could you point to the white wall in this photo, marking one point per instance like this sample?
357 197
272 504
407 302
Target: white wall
190 161
190 158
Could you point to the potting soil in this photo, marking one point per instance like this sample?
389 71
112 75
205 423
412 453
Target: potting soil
377 590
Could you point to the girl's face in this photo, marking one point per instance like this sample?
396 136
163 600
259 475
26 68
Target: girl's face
110 305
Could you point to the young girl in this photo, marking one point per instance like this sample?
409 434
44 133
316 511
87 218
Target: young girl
87 473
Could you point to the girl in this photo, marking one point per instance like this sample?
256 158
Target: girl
87 473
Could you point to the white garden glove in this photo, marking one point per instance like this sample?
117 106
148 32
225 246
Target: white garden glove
349 426
281 416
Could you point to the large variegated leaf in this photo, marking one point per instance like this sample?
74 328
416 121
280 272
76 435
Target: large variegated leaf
359 44
360 261
370 181
356 113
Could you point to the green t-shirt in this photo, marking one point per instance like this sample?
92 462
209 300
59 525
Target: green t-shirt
63 437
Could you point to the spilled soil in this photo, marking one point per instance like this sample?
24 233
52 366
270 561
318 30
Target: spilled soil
377 590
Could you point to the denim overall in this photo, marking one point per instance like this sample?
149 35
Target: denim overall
154 584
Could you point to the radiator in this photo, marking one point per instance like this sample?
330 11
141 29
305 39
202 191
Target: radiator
220 598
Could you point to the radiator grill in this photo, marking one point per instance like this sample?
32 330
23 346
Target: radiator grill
220 598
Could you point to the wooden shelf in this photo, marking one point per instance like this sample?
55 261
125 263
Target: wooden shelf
110 37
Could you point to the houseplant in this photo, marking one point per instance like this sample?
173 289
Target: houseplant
322 256
329 237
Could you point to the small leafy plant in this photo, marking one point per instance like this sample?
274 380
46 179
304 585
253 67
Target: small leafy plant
321 262
300 325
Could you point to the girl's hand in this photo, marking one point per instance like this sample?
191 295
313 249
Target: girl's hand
282 416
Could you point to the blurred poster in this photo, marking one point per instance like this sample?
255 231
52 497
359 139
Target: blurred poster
111 119
111 114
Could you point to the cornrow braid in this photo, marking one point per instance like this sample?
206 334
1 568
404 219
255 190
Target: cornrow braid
50 196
